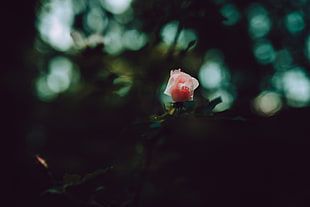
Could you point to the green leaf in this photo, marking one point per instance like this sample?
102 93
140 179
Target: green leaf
155 124
100 188
57 190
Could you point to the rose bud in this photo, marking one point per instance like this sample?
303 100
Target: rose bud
181 86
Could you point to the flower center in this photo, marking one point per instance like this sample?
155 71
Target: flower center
184 89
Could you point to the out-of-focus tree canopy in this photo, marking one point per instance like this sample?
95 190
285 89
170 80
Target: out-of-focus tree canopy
90 79
243 51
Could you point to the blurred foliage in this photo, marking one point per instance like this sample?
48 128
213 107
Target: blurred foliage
90 86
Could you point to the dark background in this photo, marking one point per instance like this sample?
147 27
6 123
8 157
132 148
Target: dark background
234 157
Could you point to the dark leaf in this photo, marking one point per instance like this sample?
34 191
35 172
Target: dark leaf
191 43
206 109
212 104
90 176
71 179
189 105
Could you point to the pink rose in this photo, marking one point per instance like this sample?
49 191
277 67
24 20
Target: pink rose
181 86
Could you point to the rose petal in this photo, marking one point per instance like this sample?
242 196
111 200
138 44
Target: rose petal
196 83
181 86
